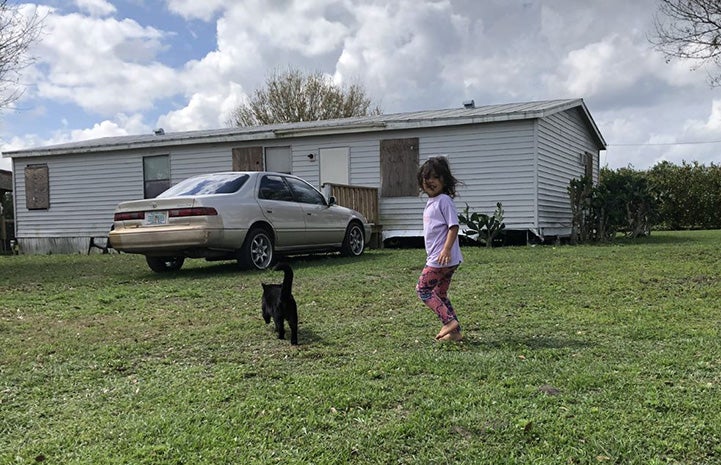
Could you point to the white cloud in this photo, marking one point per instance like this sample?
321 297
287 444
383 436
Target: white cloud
393 47
204 111
96 7
102 65
196 9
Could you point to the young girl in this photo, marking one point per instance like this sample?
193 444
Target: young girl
440 232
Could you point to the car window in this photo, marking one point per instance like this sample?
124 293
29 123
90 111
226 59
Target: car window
274 188
207 185
304 192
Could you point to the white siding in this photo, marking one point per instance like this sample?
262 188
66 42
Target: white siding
562 139
84 190
524 164
494 164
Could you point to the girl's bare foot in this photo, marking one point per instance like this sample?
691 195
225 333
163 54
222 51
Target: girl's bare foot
448 328
452 336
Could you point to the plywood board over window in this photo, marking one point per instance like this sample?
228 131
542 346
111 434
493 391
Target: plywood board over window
248 159
37 187
399 164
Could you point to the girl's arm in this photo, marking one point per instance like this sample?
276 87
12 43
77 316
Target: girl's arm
445 255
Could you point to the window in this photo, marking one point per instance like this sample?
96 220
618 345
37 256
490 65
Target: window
399 165
156 175
588 164
274 188
207 185
334 165
278 159
37 187
304 193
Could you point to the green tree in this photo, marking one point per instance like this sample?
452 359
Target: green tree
293 96
19 29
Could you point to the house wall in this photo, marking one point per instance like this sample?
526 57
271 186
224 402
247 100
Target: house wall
84 190
496 162
563 138
493 161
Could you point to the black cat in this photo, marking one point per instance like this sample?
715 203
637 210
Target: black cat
279 304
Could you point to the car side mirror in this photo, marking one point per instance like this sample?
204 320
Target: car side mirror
331 201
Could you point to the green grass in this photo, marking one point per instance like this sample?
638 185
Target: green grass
572 355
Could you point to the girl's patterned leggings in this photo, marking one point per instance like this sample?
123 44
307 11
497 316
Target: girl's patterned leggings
432 289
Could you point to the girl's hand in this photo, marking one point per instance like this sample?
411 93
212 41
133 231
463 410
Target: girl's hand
444 257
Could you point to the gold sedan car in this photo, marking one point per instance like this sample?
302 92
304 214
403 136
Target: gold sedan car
243 216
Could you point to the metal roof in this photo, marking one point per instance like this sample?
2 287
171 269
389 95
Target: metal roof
396 121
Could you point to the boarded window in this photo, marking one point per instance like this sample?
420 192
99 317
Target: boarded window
399 165
37 187
248 159
156 175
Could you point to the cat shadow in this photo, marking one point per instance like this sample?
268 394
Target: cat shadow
308 337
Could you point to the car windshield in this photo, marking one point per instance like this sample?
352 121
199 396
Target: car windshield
207 185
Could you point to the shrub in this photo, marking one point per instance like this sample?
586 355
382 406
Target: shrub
485 228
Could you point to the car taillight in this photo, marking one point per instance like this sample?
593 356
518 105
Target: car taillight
125 216
196 211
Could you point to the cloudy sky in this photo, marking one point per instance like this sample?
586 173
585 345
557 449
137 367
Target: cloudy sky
107 68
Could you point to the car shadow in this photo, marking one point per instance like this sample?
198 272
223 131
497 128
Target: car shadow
205 269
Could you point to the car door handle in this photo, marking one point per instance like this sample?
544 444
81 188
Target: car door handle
269 211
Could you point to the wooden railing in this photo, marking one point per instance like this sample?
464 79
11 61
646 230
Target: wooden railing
7 233
362 199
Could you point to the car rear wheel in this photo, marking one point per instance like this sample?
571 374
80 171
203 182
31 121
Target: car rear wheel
257 251
165 264
354 241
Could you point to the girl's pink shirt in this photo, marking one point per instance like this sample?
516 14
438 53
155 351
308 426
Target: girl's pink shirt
438 216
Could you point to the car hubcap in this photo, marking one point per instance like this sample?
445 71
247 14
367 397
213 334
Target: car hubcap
356 241
260 251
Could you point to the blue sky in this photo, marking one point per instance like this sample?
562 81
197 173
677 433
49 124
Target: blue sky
107 68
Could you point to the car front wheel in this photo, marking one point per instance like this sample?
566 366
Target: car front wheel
165 264
257 251
354 242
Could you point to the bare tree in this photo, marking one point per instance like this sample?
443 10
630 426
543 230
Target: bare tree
690 29
293 96
18 31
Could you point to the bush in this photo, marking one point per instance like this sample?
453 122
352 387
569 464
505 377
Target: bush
621 202
688 196
485 228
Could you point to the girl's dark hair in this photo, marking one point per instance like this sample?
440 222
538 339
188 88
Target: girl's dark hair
438 167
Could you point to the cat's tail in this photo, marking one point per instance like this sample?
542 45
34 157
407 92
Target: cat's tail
287 289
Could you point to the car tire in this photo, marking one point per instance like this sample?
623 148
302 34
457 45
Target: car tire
354 241
165 264
257 251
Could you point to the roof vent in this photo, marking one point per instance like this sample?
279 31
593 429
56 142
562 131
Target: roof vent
159 132
469 104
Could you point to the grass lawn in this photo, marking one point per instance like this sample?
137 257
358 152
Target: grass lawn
572 355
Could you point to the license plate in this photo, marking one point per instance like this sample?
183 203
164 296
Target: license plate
155 218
